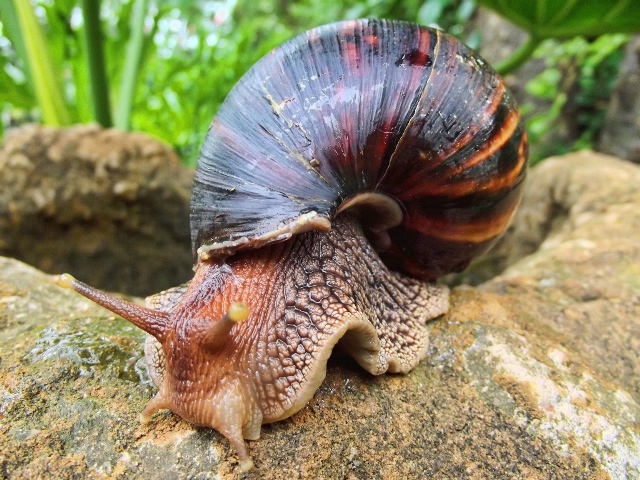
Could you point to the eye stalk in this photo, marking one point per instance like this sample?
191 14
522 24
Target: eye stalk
238 312
215 336
154 322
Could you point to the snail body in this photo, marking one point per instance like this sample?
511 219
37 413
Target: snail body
347 169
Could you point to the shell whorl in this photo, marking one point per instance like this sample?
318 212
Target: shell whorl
364 106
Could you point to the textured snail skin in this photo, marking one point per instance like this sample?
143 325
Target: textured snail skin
352 153
303 296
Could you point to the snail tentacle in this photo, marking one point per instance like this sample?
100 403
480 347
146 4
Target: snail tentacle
156 403
154 322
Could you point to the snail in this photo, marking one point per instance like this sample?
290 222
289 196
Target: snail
345 172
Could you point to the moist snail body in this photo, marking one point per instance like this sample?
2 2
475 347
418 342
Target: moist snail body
347 170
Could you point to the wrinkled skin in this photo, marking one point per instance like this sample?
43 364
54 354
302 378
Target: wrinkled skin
303 297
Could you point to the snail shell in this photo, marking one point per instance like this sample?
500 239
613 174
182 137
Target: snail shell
368 128
401 119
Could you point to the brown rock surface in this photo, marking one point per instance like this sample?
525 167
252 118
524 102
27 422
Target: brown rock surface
110 207
533 374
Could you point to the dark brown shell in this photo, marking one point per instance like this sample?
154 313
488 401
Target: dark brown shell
364 106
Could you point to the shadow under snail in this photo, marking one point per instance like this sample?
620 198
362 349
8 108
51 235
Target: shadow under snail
347 170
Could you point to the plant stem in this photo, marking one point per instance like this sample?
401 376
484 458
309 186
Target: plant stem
521 55
11 27
42 73
132 66
95 56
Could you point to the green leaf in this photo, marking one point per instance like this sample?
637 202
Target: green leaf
18 95
431 11
567 18
68 53
95 56
465 10
11 28
544 85
41 66
132 64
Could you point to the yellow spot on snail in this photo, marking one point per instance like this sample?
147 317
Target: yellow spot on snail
238 312
303 219
66 281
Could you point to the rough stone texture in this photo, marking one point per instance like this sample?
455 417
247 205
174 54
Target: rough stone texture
533 374
621 131
107 206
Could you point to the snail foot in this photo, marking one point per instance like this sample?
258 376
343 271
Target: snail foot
156 403
233 411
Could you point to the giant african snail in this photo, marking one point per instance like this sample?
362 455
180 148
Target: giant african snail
353 152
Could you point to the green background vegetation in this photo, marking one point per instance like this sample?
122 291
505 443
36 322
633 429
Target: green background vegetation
164 67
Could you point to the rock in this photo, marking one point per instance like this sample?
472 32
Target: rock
533 374
110 207
621 130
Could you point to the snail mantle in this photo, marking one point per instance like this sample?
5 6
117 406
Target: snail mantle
376 156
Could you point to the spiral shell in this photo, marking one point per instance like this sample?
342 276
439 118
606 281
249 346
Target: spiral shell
402 122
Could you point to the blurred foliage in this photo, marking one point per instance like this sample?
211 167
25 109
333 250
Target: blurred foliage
189 55
31 43
577 83
544 19
170 63
568 18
